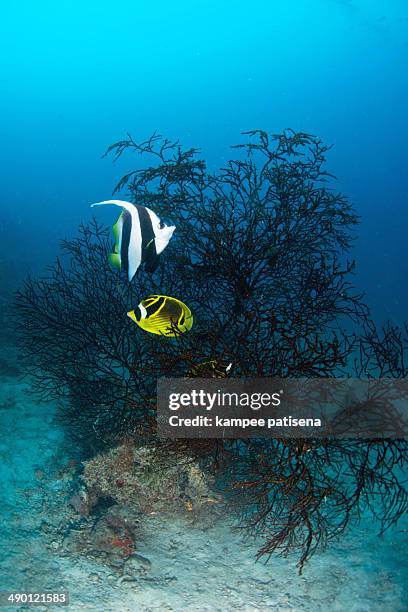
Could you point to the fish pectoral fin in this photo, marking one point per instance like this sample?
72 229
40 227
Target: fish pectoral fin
114 260
150 257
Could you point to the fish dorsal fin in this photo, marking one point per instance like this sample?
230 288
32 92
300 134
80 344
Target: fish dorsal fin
122 203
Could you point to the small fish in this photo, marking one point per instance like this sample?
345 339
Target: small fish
163 315
209 369
140 237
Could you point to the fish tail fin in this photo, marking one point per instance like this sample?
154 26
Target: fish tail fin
116 229
114 260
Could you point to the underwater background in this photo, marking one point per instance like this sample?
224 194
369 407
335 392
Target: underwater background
75 77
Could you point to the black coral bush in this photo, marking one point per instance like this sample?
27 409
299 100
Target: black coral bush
260 257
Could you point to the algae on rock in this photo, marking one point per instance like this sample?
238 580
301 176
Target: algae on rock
147 479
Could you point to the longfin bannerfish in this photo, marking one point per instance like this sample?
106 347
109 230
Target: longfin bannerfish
163 315
140 237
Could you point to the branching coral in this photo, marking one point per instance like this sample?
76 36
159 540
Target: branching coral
259 257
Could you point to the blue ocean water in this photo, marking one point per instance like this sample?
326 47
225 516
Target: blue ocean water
76 76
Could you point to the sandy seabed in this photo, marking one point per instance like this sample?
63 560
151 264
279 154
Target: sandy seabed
181 565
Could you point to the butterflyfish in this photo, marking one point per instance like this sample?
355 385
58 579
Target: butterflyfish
140 236
209 369
163 315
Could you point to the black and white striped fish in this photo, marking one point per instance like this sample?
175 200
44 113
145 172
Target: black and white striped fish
140 237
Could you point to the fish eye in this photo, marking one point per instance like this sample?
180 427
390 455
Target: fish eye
161 224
